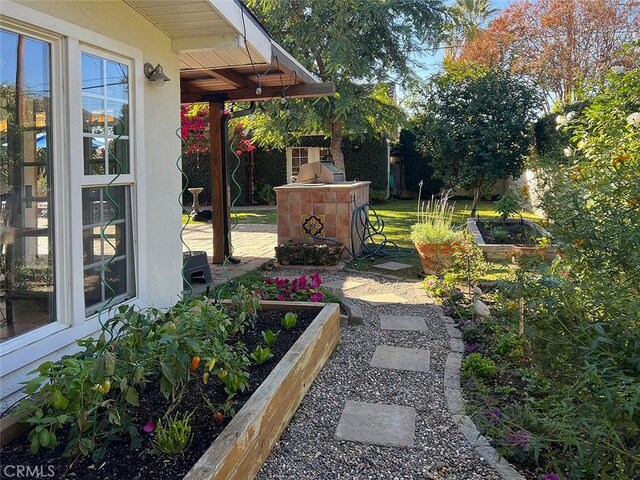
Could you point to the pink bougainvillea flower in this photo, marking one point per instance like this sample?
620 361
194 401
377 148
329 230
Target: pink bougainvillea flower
149 427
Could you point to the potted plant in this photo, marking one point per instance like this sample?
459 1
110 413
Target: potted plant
433 234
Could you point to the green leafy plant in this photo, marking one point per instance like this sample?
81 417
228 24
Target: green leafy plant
434 223
270 338
289 320
476 365
173 437
508 204
501 235
266 194
261 354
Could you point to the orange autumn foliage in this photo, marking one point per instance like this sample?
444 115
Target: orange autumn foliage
558 43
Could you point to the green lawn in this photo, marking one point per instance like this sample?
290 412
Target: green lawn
398 216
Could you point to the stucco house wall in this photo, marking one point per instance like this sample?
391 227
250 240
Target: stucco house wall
111 26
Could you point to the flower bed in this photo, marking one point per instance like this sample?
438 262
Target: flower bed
205 397
525 233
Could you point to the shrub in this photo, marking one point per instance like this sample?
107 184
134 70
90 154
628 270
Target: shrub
476 365
501 235
508 204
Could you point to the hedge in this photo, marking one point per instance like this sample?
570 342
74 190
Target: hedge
196 167
416 165
269 168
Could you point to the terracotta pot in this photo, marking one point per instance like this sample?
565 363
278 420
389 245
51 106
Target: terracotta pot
435 258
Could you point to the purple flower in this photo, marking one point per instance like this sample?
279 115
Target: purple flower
302 281
317 297
517 439
551 476
316 280
149 427
493 415
432 282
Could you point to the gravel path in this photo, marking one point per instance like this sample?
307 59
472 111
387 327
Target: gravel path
308 448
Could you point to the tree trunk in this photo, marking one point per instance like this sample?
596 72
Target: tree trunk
336 144
476 199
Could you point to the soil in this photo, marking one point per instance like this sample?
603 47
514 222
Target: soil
520 233
124 461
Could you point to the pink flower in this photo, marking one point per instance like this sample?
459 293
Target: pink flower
316 280
268 281
281 297
149 427
317 297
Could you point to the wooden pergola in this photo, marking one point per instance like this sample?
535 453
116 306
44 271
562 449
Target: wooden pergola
226 55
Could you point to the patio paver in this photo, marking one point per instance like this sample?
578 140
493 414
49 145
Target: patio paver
342 284
377 424
403 322
383 299
393 266
400 358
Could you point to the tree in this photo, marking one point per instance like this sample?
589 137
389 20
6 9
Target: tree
475 124
361 46
560 44
467 20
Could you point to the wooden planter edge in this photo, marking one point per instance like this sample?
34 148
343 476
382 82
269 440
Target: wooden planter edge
11 428
499 251
245 444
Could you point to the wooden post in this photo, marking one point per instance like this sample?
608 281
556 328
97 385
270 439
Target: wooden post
218 175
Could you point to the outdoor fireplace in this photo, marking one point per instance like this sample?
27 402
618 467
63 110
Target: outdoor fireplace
319 207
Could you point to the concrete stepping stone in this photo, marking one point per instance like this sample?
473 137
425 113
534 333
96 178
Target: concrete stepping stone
377 424
393 266
383 299
403 322
342 284
400 358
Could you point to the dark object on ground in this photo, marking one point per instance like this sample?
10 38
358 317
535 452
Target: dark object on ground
202 216
309 254
195 268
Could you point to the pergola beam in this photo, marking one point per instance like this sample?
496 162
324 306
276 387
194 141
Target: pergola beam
249 94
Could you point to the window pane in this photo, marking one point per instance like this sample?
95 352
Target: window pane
107 246
92 115
92 75
27 297
118 151
117 80
105 113
94 155
117 118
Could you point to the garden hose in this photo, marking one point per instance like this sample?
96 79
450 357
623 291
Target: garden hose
373 242
104 238
185 183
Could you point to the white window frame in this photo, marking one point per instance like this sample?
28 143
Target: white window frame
67 41
313 155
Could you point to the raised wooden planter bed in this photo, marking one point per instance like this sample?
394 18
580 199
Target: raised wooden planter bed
244 445
502 251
